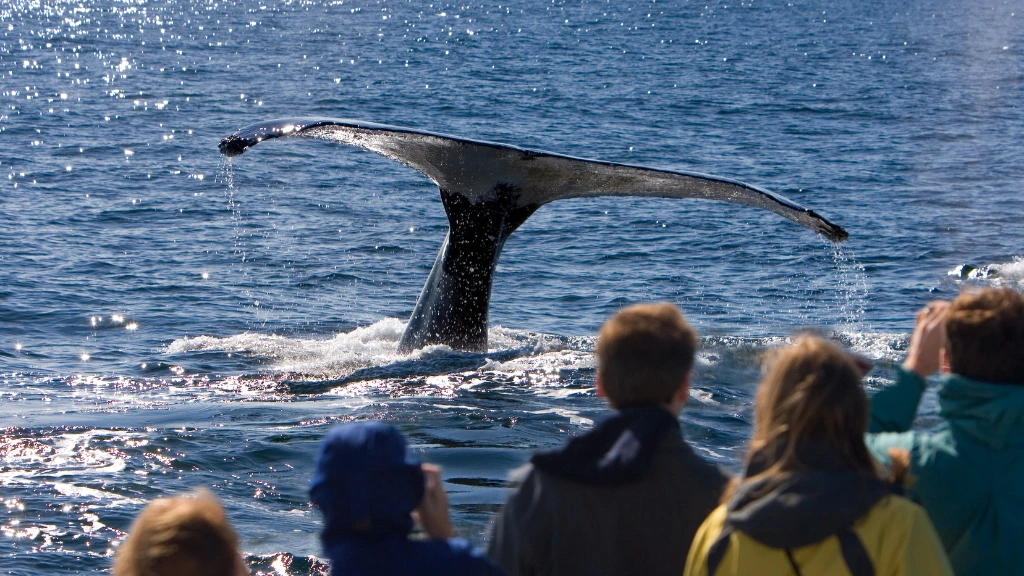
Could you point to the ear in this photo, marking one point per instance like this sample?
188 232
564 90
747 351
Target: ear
599 384
682 394
944 362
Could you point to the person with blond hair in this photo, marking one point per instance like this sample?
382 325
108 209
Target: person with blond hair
627 496
181 536
969 470
812 500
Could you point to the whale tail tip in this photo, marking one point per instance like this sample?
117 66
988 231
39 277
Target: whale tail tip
234 145
833 232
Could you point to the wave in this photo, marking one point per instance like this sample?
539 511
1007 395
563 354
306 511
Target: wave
1009 274
551 364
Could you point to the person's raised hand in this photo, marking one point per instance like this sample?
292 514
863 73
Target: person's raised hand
433 509
928 339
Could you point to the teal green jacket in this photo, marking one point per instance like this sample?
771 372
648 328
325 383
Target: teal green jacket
969 473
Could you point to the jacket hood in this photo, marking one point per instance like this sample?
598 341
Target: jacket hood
992 414
364 483
806 506
617 451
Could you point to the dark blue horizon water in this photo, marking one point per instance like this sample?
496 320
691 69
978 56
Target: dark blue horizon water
170 319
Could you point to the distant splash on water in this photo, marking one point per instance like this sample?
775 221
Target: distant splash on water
1010 274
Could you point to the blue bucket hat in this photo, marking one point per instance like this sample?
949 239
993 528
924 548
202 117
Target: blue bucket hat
364 483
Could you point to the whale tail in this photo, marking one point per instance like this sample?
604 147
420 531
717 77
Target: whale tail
488 190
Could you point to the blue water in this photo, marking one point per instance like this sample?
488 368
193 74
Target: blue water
170 319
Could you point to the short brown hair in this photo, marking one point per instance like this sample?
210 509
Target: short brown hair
182 536
985 335
644 353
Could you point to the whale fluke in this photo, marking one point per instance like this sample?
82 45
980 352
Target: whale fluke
488 190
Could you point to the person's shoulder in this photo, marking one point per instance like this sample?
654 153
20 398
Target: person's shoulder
532 481
897 505
454 556
532 489
468 560
897 530
717 517
680 453
521 475
710 529
895 512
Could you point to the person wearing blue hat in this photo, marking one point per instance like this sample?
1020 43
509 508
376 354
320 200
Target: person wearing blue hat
369 489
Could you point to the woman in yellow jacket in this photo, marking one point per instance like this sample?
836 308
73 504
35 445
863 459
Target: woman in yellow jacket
812 500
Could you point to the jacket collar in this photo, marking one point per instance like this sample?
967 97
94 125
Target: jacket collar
619 450
992 414
806 506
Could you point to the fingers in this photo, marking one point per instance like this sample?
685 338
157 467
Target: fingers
935 307
432 474
928 339
433 508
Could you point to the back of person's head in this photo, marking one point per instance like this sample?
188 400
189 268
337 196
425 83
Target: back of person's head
985 335
364 483
182 536
644 353
810 395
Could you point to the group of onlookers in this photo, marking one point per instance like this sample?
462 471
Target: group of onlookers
832 483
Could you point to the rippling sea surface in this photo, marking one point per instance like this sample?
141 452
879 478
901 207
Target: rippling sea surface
170 319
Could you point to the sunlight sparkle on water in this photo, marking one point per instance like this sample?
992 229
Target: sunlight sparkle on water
132 326
85 356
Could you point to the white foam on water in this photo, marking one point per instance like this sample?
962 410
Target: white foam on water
573 416
75 491
1010 274
377 345
890 346
703 397
550 366
63 460
550 363
374 345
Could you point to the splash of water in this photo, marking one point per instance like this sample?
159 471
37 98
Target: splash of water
852 287
1010 274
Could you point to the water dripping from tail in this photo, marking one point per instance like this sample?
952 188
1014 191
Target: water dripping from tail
852 289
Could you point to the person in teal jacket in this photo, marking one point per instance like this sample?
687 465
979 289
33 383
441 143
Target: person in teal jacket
968 473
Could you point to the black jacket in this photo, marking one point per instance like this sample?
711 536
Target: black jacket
633 524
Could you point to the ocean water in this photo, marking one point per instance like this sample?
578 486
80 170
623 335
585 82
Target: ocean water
170 319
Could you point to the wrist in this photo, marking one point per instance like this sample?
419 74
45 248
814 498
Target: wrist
920 371
441 532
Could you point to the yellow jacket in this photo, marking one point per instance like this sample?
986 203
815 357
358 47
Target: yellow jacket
896 534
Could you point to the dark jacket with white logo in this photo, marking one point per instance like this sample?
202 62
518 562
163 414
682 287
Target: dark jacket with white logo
626 498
